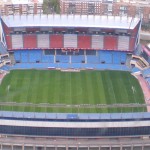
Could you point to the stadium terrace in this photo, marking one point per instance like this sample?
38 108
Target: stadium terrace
73 76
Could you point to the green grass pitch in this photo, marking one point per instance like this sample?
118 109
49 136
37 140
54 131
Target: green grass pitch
71 88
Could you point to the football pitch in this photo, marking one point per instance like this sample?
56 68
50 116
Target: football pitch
45 87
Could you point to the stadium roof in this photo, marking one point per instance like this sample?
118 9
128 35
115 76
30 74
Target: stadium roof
71 21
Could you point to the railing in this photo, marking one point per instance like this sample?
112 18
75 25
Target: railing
47 105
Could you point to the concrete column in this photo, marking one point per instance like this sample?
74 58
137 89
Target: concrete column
44 147
70 59
132 147
66 147
22 147
121 147
33 147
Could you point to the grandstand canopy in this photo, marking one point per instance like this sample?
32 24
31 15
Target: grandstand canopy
71 21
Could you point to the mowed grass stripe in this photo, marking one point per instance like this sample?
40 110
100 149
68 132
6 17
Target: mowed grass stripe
137 92
90 87
101 99
56 87
128 87
18 95
118 88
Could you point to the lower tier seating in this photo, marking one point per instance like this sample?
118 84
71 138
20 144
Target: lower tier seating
81 59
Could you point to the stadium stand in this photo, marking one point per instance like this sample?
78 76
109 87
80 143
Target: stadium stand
35 56
84 42
146 72
123 42
95 42
4 56
70 41
92 59
148 81
25 56
132 43
134 70
56 41
17 56
62 59
110 42
116 57
123 57
139 62
3 50
9 41
17 41
105 57
81 57
77 58
43 40
30 41
47 59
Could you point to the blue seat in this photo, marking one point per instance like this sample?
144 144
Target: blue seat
116 58
24 56
77 58
92 59
47 58
123 57
106 57
62 58
35 55
17 55
146 72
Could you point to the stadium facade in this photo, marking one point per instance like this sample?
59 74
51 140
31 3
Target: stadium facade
26 39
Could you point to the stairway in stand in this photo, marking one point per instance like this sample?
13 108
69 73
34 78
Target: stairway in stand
129 57
11 56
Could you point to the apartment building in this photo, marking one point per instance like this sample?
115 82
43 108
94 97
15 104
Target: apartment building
107 7
13 7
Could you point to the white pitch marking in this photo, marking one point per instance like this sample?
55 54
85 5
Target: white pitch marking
133 89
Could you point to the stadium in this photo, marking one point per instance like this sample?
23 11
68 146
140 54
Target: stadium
73 82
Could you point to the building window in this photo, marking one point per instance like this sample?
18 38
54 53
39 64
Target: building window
91 8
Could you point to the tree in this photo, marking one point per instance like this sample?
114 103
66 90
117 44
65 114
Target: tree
51 6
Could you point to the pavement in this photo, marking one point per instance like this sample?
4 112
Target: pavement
74 142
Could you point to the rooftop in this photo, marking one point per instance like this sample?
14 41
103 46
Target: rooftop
20 1
71 21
